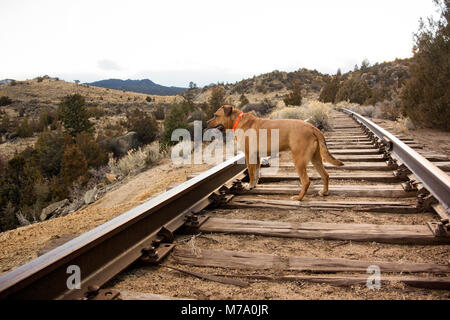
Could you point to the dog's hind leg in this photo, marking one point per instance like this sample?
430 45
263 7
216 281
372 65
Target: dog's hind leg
258 170
300 166
318 164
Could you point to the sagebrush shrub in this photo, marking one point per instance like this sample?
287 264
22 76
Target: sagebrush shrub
288 113
136 160
318 114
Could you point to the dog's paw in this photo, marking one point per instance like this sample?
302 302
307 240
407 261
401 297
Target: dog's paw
323 194
248 186
296 198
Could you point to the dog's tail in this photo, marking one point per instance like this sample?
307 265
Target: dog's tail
326 155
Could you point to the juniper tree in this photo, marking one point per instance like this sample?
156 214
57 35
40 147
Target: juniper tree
74 115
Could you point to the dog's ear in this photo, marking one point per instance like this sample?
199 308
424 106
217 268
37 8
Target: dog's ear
227 110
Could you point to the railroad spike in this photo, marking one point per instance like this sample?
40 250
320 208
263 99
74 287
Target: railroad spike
154 255
193 222
424 202
107 294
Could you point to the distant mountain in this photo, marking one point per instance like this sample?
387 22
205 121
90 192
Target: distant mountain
142 86
5 81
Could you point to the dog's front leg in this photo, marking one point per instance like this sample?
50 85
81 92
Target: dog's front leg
253 170
252 173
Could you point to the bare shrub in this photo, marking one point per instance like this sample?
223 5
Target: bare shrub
318 114
288 113
23 221
136 160
404 124
378 112
367 111
185 145
347 105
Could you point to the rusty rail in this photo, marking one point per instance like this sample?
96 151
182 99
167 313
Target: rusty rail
436 181
109 248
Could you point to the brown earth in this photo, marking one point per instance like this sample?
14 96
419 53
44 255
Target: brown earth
21 245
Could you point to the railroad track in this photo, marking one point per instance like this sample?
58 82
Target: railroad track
387 209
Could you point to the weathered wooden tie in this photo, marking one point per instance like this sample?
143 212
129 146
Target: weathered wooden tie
397 234
354 151
247 260
262 202
376 166
437 283
380 176
375 191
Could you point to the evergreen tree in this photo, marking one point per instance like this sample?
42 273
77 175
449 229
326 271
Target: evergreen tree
242 101
216 100
294 98
144 125
330 89
425 97
74 114
175 119
95 156
74 164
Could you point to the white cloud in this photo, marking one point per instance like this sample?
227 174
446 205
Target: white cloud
174 42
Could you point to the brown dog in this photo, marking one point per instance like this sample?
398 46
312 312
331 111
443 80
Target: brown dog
305 141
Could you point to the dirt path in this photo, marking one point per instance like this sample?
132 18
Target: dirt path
431 139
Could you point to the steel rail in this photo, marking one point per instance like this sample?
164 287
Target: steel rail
109 248
436 181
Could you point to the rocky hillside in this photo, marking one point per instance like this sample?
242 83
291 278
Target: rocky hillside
387 77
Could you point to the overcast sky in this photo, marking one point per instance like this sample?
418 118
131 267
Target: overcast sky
174 42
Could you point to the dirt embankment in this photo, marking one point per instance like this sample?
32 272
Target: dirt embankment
21 245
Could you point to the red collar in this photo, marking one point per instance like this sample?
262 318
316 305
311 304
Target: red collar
237 120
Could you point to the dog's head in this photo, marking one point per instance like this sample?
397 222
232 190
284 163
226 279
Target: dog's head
223 118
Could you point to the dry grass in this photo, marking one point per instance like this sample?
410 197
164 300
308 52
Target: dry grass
50 92
405 124
8 149
288 113
318 114
136 160
315 112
